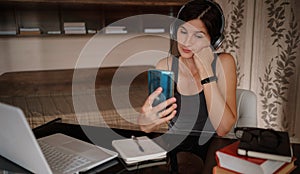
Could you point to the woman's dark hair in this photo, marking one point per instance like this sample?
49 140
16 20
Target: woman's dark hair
210 14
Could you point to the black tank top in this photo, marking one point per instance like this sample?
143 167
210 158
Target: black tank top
192 114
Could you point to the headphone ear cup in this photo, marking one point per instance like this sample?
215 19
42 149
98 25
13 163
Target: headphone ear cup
172 31
218 42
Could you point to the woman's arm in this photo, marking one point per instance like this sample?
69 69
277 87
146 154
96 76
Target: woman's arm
221 95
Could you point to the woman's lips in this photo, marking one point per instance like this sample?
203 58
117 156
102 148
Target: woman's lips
186 50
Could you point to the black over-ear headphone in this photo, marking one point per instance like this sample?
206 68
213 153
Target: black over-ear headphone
216 42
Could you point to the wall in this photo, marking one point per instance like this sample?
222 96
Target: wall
264 38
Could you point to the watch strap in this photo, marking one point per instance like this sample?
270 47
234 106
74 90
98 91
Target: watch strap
209 79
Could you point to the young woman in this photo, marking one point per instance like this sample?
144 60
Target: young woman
205 89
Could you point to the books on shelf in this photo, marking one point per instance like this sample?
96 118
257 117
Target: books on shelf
30 31
90 31
8 32
285 169
74 24
115 30
75 32
54 32
74 28
154 30
136 150
275 146
228 158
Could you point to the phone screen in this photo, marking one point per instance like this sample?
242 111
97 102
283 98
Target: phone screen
161 78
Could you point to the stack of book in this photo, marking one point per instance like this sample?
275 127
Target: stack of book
30 31
154 30
91 31
8 32
115 30
242 157
54 32
139 152
74 28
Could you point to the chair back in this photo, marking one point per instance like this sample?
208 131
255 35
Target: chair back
246 109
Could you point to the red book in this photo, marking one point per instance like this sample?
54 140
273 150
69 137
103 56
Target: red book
228 158
285 169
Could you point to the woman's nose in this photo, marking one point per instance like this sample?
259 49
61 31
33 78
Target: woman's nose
188 40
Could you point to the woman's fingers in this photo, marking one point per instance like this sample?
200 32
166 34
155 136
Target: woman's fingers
164 105
203 61
149 101
151 127
167 111
205 54
167 118
152 117
153 96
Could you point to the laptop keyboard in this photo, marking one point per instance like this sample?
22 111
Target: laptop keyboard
60 161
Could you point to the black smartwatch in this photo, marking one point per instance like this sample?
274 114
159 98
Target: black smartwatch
209 79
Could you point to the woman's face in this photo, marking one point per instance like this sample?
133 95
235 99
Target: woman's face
192 36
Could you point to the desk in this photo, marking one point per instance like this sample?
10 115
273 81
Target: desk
77 132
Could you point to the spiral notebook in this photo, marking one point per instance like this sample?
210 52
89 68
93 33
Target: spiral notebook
137 150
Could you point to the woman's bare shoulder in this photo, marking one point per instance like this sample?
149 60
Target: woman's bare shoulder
227 59
164 63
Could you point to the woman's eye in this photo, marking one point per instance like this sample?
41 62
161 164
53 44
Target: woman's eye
183 31
199 36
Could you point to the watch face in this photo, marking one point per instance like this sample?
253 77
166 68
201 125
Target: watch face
161 78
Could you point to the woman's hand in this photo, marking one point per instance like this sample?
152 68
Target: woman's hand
151 117
203 60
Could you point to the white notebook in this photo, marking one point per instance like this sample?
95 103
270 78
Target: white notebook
138 150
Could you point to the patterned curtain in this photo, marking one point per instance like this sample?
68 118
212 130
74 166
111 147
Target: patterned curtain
264 38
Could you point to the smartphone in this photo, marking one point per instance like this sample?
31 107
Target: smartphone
161 78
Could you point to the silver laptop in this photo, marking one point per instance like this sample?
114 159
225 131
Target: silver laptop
56 153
